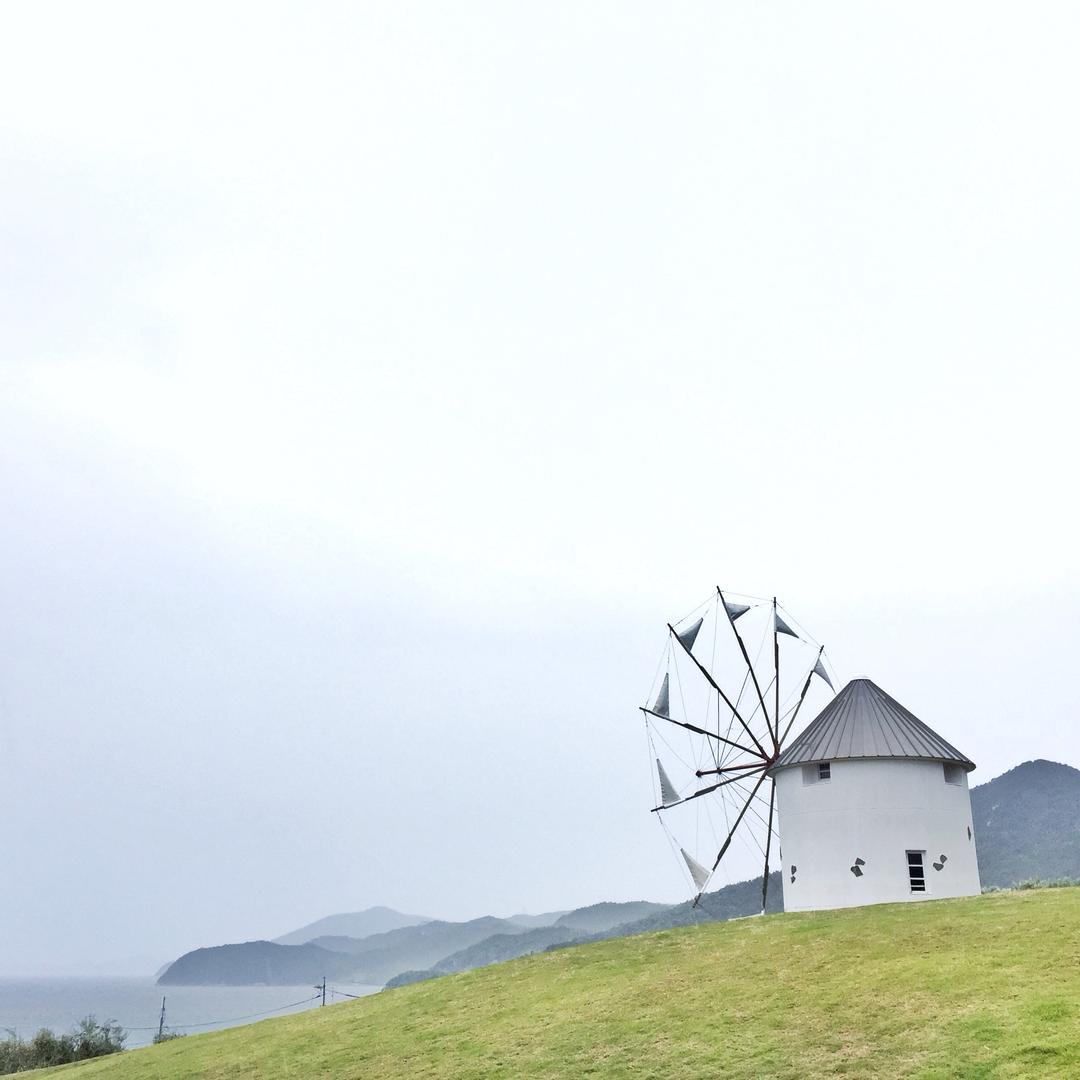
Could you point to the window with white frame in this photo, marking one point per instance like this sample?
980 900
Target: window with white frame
916 871
816 773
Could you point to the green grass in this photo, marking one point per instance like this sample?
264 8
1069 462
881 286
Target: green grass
985 987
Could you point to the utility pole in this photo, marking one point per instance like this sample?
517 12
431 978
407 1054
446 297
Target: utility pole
322 987
161 1022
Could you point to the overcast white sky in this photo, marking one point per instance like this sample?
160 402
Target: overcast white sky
377 380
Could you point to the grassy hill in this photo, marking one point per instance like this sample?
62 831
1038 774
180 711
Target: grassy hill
976 988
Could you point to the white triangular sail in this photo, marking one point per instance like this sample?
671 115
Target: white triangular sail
819 670
688 637
735 610
697 871
783 628
661 706
668 794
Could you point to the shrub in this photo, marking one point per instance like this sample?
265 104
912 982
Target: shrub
89 1039
1036 883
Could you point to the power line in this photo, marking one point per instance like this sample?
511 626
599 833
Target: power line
321 996
231 1019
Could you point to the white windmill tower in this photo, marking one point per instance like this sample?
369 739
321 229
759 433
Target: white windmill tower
873 807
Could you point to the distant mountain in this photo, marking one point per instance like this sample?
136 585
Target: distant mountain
357 924
492 950
256 963
604 916
734 901
730 902
505 947
1027 823
534 921
382 956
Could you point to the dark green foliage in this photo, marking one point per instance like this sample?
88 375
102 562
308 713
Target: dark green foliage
167 1036
1037 883
1027 824
90 1039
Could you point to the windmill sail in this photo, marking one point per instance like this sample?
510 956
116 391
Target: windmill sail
661 706
668 794
819 670
697 871
688 637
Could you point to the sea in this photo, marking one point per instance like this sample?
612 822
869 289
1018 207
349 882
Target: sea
29 1004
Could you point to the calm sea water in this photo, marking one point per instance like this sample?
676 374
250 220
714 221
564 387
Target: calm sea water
29 1004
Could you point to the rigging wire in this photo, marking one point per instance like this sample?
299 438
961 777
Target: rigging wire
731 719
749 596
653 756
664 654
693 611
753 810
717 757
678 757
682 699
792 621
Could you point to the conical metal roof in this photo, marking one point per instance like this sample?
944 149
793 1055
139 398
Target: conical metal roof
862 721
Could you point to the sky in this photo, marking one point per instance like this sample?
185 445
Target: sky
378 380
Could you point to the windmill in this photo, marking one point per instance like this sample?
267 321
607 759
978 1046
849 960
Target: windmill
729 688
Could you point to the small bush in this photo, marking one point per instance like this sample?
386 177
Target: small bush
1035 883
90 1039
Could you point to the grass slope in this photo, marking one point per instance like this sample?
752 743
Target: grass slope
984 987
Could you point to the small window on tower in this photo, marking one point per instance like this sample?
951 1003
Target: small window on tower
824 770
954 774
916 872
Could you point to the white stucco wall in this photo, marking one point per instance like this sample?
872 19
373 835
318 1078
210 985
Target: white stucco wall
877 810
